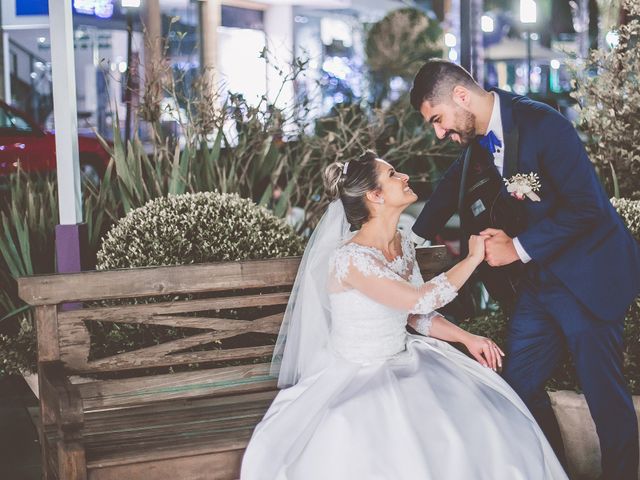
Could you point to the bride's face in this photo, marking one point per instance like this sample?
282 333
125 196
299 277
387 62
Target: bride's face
394 186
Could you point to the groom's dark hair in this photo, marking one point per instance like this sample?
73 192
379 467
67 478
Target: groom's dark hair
436 80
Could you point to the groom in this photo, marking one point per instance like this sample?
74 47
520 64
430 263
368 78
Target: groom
579 267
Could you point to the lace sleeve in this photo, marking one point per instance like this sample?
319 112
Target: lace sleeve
357 267
422 323
439 292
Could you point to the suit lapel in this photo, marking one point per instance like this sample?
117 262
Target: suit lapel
510 167
511 134
463 178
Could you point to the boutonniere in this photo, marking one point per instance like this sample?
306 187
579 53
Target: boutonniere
524 185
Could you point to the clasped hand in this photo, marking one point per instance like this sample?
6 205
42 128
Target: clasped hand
494 247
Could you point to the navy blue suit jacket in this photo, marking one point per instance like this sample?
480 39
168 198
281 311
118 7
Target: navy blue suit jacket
574 231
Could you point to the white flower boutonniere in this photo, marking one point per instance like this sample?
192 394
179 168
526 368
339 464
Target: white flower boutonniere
524 185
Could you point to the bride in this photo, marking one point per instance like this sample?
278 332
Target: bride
366 399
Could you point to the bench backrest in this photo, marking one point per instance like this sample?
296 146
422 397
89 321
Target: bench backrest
63 335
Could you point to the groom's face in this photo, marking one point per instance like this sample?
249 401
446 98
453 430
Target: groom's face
450 121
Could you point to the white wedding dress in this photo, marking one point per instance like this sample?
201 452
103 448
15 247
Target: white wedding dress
391 405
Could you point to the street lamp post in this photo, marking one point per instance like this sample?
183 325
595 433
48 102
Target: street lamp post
465 35
528 17
528 61
70 233
130 6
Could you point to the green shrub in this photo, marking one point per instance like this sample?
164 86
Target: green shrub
491 323
632 347
18 349
196 228
629 210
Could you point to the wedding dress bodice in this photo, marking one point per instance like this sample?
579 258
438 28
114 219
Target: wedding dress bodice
364 326
363 330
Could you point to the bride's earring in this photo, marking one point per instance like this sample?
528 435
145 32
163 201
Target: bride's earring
381 202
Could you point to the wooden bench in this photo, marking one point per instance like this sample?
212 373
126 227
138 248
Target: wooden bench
192 424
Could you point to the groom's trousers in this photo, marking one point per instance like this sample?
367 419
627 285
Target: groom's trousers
546 320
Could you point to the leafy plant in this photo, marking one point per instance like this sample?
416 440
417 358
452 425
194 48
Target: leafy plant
27 247
607 89
224 142
399 44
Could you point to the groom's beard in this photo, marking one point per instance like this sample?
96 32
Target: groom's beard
465 127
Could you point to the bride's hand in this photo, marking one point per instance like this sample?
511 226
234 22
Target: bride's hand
485 351
476 247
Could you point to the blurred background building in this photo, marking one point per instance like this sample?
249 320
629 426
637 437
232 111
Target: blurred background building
517 45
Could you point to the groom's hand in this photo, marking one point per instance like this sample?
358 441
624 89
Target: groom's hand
499 248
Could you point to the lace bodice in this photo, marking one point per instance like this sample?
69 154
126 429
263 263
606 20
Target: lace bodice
372 297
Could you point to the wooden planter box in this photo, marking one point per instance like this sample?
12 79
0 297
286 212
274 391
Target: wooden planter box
579 433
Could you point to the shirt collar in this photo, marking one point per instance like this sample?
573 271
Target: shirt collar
495 122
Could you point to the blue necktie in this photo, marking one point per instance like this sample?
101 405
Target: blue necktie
490 141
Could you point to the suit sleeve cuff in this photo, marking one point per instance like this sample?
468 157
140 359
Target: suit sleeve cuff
524 256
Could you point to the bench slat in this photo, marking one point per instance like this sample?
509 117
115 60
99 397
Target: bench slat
158 354
175 428
245 379
46 317
75 345
110 365
205 323
75 340
433 260
121 313
160 430
140 282
192 462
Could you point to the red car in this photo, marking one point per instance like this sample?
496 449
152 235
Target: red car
24 143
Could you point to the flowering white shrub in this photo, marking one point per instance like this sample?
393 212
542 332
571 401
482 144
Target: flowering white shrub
610 115
629 210
196 228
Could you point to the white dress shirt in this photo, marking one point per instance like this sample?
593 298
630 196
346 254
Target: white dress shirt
495 124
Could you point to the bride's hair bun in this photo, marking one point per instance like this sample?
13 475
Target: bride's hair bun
332 178
352 185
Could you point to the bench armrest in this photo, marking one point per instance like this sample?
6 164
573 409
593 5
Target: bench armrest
61 397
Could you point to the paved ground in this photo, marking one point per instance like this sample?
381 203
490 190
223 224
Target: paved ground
19 449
